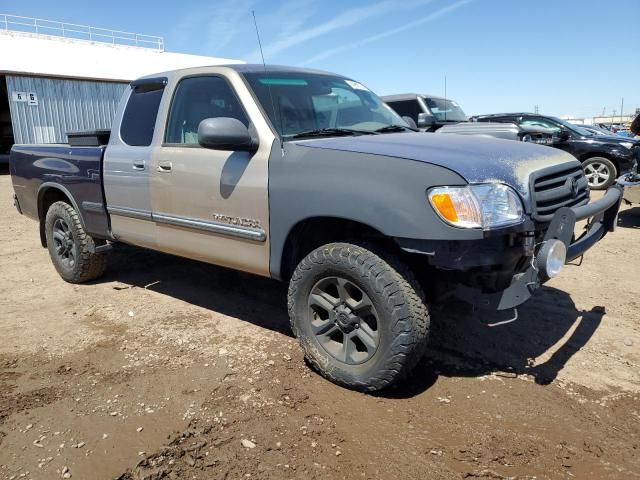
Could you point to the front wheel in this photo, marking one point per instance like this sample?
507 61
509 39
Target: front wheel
72 251
360 317
600 172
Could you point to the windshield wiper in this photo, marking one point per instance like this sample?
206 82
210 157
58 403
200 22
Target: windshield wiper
330 132
395 128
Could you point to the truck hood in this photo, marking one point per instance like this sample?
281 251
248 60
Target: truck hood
476 159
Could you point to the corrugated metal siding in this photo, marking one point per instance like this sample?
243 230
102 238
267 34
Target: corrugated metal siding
63 106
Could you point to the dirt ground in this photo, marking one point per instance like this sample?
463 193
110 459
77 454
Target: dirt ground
167 368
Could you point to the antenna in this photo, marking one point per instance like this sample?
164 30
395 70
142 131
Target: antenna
273 105
445 98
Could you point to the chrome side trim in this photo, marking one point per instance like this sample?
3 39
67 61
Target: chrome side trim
255 234
92 207
130 212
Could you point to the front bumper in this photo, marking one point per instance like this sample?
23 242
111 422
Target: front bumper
603 214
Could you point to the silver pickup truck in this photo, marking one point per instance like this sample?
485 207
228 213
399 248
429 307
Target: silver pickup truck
308 177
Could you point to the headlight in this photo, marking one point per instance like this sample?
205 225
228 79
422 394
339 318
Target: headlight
627 145
486 206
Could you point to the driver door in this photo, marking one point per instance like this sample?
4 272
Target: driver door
210 205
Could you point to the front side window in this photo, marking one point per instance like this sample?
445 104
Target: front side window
301 103
139 117
195 99
407 108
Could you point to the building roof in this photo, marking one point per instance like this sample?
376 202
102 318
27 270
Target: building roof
51 56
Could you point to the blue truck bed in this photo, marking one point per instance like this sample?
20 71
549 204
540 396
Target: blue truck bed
41 173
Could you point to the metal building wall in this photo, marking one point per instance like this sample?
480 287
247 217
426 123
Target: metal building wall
63 106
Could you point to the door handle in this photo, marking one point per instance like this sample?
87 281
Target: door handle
165 166
138 164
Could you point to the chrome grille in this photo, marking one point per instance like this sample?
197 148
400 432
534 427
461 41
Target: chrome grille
556 187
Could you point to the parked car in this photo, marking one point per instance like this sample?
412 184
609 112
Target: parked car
429 112
436 114
307 177
603 158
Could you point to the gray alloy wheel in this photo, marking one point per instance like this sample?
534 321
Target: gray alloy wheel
344 320
600 172
64 246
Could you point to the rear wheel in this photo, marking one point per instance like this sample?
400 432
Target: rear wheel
72 251
360 317
600 172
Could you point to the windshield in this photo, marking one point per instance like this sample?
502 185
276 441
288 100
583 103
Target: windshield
445 110
301 103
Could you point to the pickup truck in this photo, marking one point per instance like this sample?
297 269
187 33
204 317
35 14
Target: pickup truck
429 113
308 177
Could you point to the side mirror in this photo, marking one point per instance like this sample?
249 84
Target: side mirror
564 135
410 121
426 120
225 133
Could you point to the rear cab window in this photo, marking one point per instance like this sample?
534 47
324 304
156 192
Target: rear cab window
139 117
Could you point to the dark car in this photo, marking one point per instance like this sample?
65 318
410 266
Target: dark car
603 158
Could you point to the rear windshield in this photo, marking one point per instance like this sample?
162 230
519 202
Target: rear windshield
445 110
139 118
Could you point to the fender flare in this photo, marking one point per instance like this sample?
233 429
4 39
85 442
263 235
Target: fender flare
44 187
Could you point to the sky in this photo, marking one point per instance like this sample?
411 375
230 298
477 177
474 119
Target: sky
568 57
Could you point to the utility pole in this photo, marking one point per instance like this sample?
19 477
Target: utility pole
621 110
535 109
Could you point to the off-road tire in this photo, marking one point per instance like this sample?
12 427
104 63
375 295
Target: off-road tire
610 168
87 265
394 292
